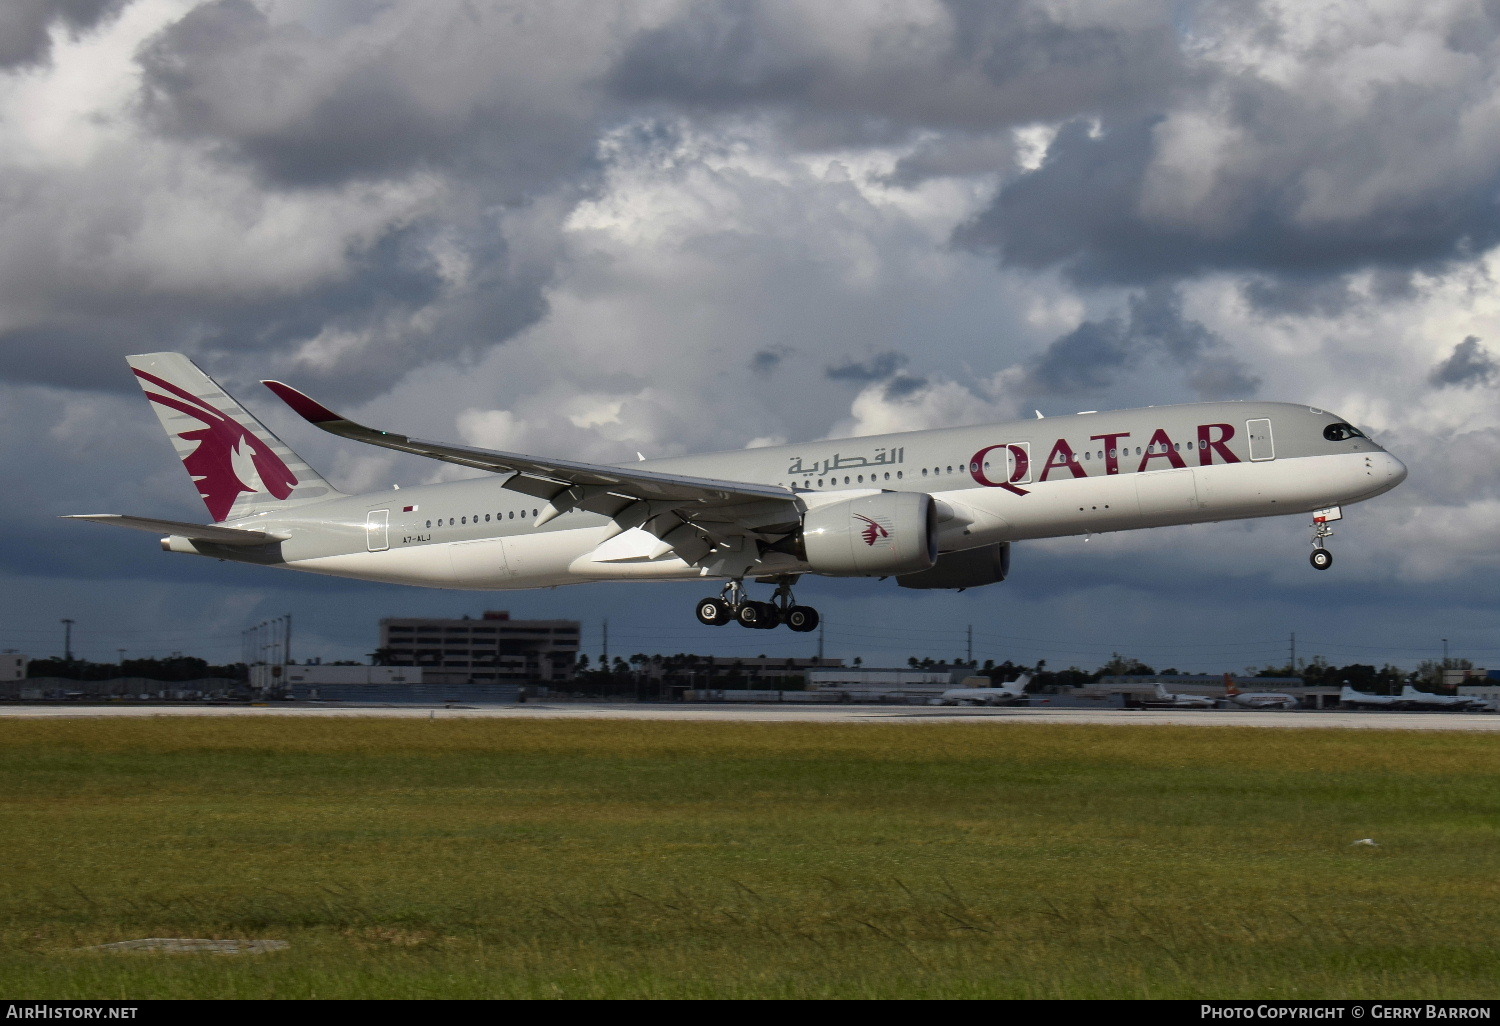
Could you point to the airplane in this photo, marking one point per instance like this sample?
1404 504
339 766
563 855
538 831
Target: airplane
1355 699
1258 699
935 509
1182 701
1004 694
1415 699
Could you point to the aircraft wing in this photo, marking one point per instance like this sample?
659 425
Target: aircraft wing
690 515
195 532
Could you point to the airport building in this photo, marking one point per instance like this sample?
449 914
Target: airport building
493 649
13 666
1474 683
875 684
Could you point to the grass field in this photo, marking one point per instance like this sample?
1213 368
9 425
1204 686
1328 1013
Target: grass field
506 858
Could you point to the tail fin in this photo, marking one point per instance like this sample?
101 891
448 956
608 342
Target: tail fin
1230 687
239 467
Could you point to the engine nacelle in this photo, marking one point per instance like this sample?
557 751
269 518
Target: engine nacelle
872 536
967 569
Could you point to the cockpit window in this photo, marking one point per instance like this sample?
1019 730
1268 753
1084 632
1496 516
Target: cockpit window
1340 432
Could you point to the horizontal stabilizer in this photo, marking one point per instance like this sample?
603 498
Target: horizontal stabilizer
195 532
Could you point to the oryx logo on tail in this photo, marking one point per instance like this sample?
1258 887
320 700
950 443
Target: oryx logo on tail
874 530
227 452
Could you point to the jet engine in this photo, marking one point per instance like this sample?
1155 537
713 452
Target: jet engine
871 536
970 568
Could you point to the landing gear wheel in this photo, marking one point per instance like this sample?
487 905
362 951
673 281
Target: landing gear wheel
802 619
1321 559
714 612
758 615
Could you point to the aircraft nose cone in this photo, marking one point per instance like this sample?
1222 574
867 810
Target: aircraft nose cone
1395 470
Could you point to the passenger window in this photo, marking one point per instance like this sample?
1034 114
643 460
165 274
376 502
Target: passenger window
861 479
463 520
523 514
450 521
898 475
1088 455
924 471
429 523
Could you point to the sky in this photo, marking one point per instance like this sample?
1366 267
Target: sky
586 230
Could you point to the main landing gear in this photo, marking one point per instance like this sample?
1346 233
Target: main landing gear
734 604
1321 558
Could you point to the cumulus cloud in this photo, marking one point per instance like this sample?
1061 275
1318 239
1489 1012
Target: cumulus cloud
1312 145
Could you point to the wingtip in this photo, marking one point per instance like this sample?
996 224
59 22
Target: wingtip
305 406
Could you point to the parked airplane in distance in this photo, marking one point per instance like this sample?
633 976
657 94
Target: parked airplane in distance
933 509
1415 699
1258 699
1003 694
1178 700
1363 699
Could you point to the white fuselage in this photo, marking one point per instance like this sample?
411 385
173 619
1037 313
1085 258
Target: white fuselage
1042 478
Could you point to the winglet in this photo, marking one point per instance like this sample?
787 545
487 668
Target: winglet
305 406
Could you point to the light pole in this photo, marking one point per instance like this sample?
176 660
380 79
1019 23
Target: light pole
68 640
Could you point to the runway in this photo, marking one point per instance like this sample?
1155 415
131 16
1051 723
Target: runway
725 713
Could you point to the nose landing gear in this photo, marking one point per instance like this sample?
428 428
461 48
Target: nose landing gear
733 604
1321 558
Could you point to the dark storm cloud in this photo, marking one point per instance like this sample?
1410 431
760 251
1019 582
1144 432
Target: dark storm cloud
717 55
1470 364
305 111
387 286
1273 207
421 137
26 25
1093 355
987 66
862 372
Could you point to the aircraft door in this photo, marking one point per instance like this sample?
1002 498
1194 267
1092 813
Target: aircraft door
1018 462
1262 444
1003 464
378 530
